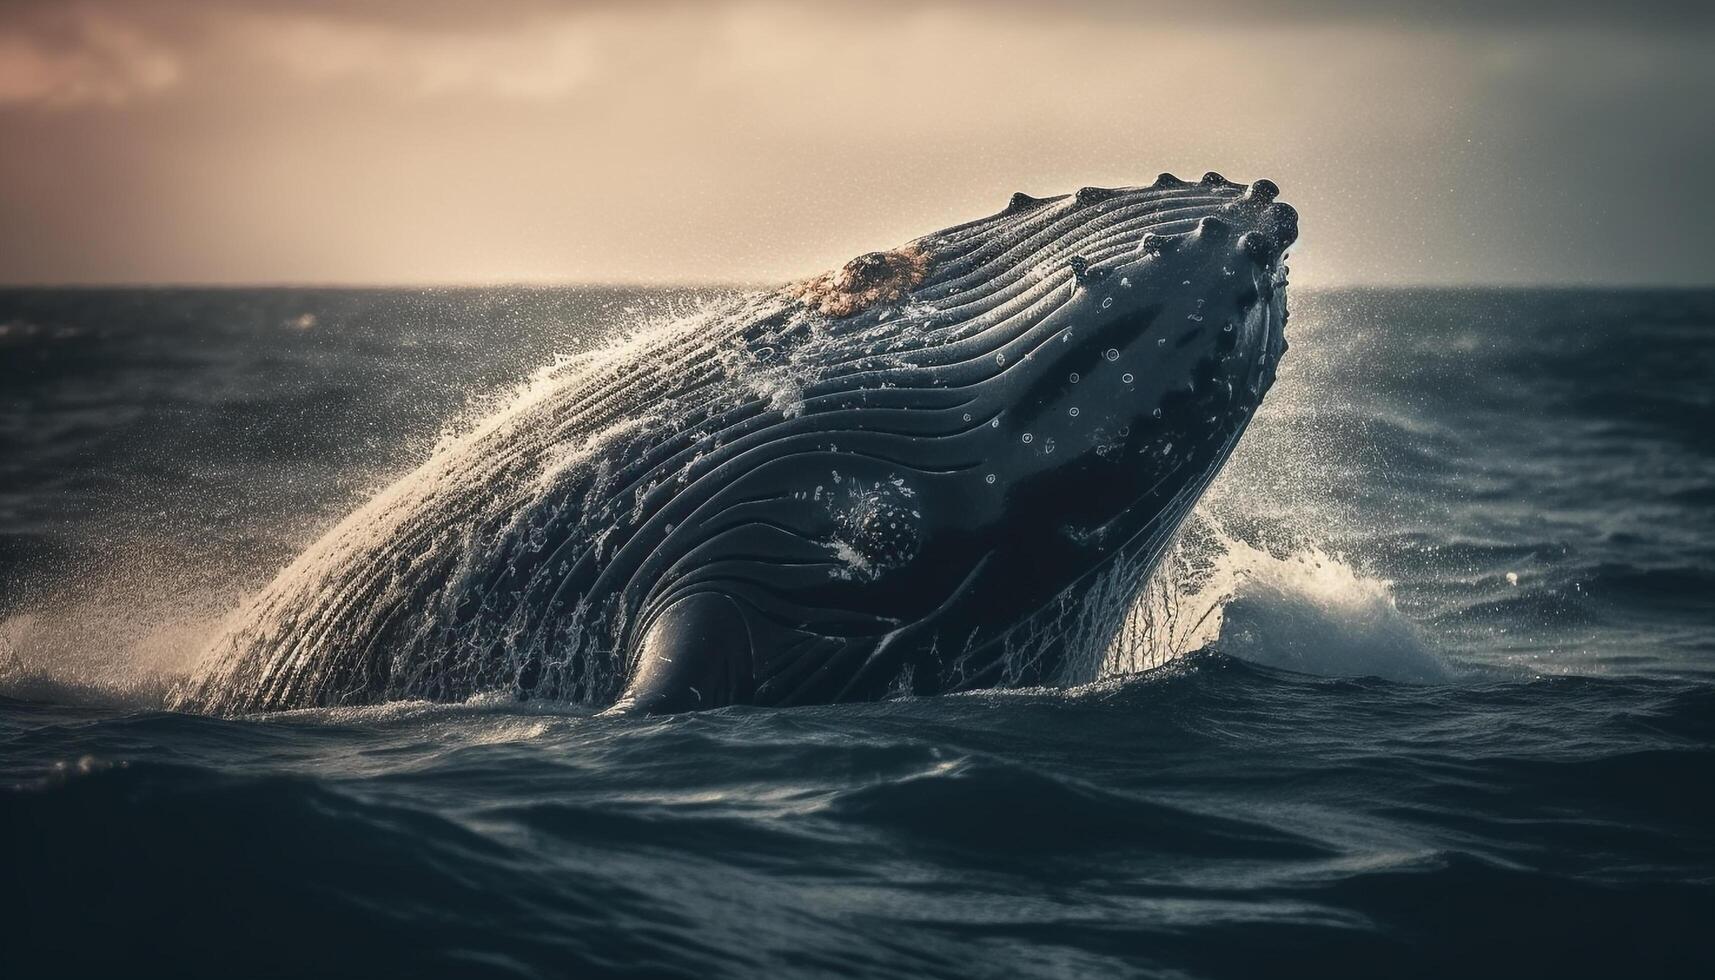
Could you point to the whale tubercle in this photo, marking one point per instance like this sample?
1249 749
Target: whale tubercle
1021 202
1263 191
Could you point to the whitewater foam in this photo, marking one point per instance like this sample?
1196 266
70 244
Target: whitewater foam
1295 608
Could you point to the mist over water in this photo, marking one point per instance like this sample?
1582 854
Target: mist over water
1429 677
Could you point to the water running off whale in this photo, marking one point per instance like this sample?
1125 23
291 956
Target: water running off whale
948 466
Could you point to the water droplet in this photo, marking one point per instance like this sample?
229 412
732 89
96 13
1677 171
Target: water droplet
989 478
1195 318
1112 354
1107 301
1027 437
1000 359
1125 281
1048 445
1161 342
1227 329
967 416
994 423
1073 411
1156 413
1512 578
1126 378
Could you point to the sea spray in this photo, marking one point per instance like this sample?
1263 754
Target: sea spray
1294 608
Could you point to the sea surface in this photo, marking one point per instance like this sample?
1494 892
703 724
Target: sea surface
1440 699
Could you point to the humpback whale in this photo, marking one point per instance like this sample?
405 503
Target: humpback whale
945 466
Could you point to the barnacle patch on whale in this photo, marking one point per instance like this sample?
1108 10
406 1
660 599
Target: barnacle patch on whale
869 279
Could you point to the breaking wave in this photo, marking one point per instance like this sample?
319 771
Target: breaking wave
1296 608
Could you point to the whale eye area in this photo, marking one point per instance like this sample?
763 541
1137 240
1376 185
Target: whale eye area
866 281
880 524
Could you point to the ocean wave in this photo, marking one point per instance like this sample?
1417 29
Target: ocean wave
1212 817
988 804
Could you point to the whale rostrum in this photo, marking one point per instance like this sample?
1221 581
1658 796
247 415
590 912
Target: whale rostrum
944 466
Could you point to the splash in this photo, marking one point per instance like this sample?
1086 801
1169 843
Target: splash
1299 609
132 621
101 650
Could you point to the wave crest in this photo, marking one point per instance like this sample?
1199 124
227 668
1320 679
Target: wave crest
1299 609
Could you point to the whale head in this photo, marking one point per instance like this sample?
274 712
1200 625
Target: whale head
1112 323
1155 316
1082 365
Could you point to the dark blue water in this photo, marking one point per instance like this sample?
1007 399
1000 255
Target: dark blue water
1456 713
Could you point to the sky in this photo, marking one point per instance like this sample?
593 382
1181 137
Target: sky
394 142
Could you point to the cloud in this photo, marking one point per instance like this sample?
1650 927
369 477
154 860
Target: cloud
541 60
385 140
93 53
69 53
81 56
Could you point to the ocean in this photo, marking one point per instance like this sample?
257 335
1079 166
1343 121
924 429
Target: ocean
1438 696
